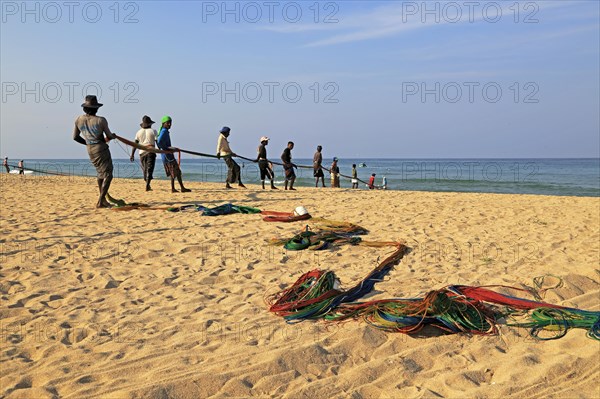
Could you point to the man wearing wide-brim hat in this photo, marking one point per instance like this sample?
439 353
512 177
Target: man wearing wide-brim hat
146 136
93 132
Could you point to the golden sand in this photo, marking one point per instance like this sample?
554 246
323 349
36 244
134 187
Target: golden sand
151 304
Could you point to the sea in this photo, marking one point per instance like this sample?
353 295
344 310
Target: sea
563 177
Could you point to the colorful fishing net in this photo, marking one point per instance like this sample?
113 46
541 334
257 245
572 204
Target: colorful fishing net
225 209
325 232
452 309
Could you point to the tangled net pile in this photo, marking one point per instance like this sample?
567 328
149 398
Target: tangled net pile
452 309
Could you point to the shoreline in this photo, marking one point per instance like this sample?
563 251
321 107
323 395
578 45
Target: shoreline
136 180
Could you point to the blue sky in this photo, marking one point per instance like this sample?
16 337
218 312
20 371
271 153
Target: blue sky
376 79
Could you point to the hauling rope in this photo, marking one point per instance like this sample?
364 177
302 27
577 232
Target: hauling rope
201 154
44 172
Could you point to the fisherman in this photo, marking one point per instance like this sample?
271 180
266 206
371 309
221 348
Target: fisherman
223 150
371 184
21 167
263 163
96 135
335 173
317 167
172 168
354 176
288 166
5 164
146 136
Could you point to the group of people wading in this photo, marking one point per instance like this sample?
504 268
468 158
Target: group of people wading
92 131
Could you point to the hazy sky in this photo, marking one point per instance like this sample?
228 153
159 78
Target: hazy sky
364 79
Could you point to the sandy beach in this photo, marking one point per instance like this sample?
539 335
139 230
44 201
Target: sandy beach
152 304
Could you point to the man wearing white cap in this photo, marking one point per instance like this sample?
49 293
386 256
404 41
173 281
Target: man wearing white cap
263 163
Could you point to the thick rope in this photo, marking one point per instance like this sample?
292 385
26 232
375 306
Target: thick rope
16 167
201 154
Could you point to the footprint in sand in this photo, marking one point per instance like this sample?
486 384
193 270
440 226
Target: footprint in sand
85 379
25 383
169 280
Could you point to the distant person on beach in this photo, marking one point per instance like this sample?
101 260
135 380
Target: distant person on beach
96 135
318 170
21 167
5 164
172 168
146 136
264 165
335 173
371 184
384 183
224 151
288 166
354 176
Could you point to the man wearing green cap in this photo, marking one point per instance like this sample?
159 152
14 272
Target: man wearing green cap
171 166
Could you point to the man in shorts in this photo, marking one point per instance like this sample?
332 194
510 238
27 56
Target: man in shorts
354 176
317 167
264 164
146 136
170 163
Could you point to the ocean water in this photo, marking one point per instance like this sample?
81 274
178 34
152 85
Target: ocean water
572 177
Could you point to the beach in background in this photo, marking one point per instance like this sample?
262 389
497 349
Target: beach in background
152 304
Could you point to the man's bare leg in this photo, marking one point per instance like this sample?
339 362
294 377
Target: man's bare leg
103 186
240 184
183 189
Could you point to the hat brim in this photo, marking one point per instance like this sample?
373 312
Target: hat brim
84 105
